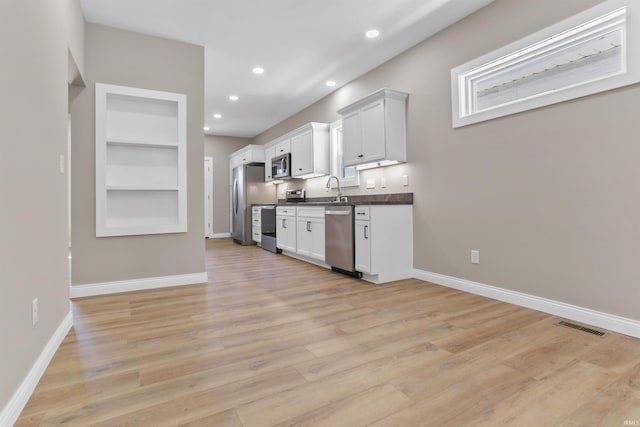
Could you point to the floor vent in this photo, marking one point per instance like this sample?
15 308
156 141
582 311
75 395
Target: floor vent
581 328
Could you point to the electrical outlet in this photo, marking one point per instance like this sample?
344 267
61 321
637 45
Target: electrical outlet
371 183
405 180
475 257
383 182
34 311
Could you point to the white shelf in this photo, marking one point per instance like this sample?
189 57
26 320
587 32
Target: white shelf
140 161
129 188
139 143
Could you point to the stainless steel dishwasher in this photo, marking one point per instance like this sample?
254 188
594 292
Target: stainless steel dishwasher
339 239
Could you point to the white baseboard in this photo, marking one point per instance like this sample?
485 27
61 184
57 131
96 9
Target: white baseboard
16 404
220 235
608 321
105 288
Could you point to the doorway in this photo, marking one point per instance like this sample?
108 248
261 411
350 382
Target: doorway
208 197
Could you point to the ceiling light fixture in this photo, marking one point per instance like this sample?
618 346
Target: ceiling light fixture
372 34
217 116
258 70
233 97
330 83
206 128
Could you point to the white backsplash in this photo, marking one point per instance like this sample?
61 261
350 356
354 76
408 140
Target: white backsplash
316 187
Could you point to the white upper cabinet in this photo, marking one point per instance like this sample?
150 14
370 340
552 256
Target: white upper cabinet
141 159
374 130
310 150
248 154
283 146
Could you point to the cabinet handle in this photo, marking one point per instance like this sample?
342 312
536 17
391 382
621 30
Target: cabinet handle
366 227
308 225
299 169
284 224
359 213
360 155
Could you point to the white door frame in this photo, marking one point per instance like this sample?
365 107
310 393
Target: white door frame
208 196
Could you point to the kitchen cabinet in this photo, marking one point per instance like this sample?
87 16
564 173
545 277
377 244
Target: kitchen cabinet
362 229
283 146
140 144
256 224
374 130
310 232
248 154
286 228
310 150
245 155
384 242
269 153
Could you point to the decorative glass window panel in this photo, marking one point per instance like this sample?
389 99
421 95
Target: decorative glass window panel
585 54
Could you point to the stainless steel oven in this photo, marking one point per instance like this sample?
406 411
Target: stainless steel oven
268 221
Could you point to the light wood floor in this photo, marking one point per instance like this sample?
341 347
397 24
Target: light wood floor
275 341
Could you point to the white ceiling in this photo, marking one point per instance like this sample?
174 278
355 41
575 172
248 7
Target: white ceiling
300 43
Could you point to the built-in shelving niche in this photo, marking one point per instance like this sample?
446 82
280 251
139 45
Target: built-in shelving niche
140 161
594 51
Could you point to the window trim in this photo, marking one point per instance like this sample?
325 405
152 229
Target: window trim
617 15
335 158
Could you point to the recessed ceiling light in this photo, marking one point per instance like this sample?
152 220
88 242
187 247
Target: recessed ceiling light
330 83
258 70
233 97
372 34
217 116
206 128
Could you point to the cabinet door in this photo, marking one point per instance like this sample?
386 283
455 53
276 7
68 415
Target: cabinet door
302 154
283 147
317 232
304 236
286 233
269 153
310 237
373 136
351 139
363 247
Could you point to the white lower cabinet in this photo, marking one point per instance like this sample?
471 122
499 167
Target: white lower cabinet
256 224
363 246
286 228
310 232
384 242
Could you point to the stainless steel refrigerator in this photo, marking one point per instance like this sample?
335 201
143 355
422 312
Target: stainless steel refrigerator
247 188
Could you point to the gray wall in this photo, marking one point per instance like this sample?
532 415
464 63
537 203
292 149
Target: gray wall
35 38
550 197
219 147
131 59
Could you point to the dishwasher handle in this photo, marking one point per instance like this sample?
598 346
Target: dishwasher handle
337 212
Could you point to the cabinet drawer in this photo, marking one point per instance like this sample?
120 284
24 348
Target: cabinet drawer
256 210
256 221
256 234
362 212
285 211
315 212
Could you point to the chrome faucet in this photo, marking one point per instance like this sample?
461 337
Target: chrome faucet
339 196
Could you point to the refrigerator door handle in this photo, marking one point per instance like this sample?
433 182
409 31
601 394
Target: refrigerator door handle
235 196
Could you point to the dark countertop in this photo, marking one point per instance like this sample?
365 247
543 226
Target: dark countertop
373 199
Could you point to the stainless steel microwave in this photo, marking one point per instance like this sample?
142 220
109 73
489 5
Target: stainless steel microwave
281 166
